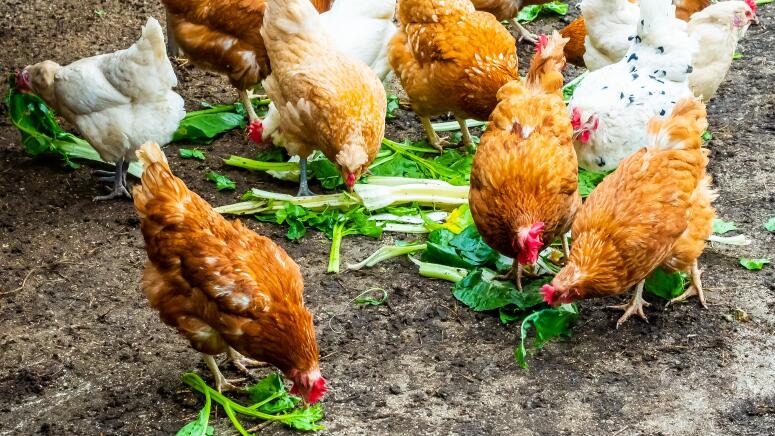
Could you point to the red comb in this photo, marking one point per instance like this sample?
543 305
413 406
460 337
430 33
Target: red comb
550 295
256 132
751 4
543 41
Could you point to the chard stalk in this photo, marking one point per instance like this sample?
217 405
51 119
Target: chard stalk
376 197
739 240
83 150
451 126
334 257
405 228
257 165
442 272
387 252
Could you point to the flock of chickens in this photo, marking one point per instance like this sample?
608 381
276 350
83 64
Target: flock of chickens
322 63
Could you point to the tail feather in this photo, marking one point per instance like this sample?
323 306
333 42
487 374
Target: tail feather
682 129
158 183
547 63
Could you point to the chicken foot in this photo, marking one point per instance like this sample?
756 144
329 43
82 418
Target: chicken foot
118 178
695 288
242 363
467 141
635 306
304 190
221 383
433 138
525 34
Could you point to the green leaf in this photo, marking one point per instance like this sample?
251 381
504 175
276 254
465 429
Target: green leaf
737 56
548 323
392 106
481 292
188 153
204 126
529 13
326 173
270 393
588 181
753 264
221 182
664 285
707 136
770 225
763 2
720 226
100 12
372 297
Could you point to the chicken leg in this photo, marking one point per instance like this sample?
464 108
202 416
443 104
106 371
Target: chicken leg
525 34
433 138
695 288
118 178
221 384
173 50
245 97
304 190
467 140
241 362
635 306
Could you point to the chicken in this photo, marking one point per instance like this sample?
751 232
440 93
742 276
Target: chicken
505 10
611 24
654 210
611 106
576 31
326 100
117 100
222 286
524 180
360 29
451 58
720 26
223 36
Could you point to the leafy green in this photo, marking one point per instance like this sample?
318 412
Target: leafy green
665 285
188 153
392 106
387 252
707 136
737 56
770 225
200 426
205 125
221 182
464 250
753 264
40 132
270 395
441 272
588 181
531 12
480 291
763 2
549 323
720 226
367 297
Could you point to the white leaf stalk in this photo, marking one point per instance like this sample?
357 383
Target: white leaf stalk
387 252
451 126
441 272
739 240
440 195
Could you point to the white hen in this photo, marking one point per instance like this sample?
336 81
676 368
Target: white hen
360 29
718 27
611 107
118 101
609 24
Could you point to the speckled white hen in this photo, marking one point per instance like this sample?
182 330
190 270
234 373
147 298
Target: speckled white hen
611 107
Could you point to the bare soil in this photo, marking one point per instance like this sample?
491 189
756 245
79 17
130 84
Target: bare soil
81 352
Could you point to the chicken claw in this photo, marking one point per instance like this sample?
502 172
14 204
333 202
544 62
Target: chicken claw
524 34
118 178
245 96
694 289
635 306
465 133
433 138
242 363
221 383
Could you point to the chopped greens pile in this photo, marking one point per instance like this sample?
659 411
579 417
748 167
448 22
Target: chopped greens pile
204 126
271 402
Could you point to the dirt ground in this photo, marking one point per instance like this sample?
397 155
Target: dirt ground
82 353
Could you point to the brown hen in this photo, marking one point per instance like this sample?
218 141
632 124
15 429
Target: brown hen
654 210
224 36
221 285
451 58
524 181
